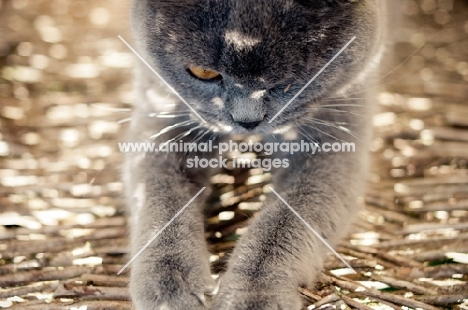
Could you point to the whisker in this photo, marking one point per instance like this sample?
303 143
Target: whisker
172 127
342 105
325 133
342 128
201 137
321 140
352 93
110 109
175 112
308 136
335 111
404 61
400 65
125 120
171 115
311 119
341 99
180 136
197 138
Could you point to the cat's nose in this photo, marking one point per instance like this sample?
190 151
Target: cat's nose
249 125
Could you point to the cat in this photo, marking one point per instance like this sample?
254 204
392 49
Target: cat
237 63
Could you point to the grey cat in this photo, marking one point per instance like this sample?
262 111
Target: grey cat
237 63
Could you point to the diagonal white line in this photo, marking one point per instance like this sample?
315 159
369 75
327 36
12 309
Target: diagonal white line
160 231
160 77
314 231
313 79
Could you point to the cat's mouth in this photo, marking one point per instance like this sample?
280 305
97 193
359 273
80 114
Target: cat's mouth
233 127
256 127
255 130
244 128
251 125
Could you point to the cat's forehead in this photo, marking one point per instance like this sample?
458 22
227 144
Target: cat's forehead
250 39
241 40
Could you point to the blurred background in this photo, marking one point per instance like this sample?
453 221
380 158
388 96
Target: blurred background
65 101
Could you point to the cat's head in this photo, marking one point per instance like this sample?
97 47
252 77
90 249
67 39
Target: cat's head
238 62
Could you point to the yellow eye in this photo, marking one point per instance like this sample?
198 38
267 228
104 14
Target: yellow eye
204 74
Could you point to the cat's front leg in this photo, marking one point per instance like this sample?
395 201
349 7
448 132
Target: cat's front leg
173 271
279 252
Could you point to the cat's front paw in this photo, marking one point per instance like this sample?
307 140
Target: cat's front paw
170 286
254 300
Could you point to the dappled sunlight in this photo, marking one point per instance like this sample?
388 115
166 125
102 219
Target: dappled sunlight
66 100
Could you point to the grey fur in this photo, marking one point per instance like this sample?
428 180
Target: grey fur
257 45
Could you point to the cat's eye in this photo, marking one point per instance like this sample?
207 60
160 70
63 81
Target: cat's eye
204 74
